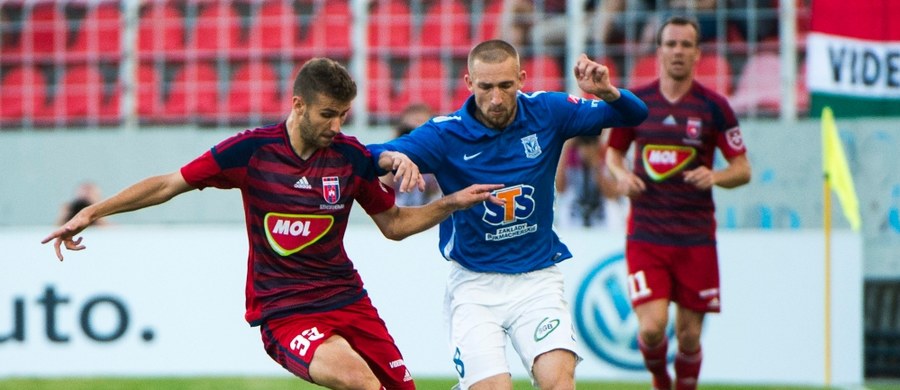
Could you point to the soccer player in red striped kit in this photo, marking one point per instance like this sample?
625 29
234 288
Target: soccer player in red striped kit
671 243
298 180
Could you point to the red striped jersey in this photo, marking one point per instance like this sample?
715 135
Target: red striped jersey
296 213
675 137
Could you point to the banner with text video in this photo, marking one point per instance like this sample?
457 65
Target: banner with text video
853 58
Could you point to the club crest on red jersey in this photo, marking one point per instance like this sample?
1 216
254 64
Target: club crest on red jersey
735 140
331 189
663 161
290 233
694 128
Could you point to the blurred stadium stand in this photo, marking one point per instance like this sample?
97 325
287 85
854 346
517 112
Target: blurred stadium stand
201 56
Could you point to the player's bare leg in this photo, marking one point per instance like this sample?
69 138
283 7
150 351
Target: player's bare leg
496 382
555 370
337 366
652 319
688 327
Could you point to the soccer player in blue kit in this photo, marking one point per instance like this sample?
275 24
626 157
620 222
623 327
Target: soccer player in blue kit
503 279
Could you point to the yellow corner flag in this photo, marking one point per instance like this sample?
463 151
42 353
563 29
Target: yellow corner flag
837 173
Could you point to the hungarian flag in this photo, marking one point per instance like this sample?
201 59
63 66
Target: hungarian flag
853 57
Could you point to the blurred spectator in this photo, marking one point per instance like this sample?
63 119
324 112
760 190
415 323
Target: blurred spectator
530 23
86 194
588 195
412 116
616 17
764 24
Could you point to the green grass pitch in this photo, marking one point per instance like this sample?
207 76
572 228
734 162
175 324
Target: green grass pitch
254 383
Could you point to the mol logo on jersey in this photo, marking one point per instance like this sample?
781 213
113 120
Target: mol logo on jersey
290 233
663 161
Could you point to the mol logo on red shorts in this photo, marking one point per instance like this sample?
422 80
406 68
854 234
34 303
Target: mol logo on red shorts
290 233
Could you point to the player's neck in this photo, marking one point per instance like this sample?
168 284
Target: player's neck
673 89
296 141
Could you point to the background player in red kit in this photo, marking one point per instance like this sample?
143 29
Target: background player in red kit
298 180
671 243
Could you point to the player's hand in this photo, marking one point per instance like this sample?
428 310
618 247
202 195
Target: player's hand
475 194
593 78
701 177
65 235
405 171
631 185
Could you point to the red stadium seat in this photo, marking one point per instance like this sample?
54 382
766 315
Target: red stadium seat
714 71
645 70
390 26
490 22
759 86
217 28
426 81
194 90
275 26
329 32
160 29
543 73
81 97
460 89
149 91
23 94
101 31
446 24
254 89
45 30
380 87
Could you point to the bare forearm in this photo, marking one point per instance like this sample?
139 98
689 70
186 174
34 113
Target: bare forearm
145 193
416 219
736 174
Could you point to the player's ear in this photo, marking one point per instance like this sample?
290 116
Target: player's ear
298 105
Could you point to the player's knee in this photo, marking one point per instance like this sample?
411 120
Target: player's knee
652 333
688 339
555 370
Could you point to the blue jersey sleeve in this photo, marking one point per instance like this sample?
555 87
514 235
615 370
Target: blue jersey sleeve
423 146
575 116
628 110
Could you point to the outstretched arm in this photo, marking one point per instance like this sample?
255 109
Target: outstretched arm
148 192
398 223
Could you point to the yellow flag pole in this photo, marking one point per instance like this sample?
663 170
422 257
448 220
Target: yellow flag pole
827 228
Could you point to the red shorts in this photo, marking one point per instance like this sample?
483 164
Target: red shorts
687 275
292 341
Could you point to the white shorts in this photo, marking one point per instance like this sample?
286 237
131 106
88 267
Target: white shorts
484 308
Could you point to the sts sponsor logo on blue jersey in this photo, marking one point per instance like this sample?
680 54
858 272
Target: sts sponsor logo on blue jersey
520 204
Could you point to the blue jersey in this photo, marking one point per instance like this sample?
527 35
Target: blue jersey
460 151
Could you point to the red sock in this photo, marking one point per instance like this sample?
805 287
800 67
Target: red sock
687 369
655 360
